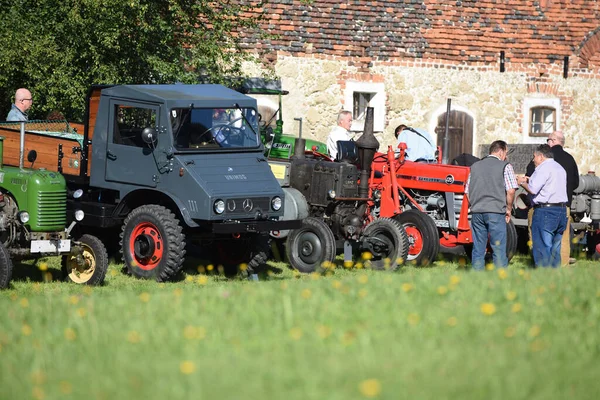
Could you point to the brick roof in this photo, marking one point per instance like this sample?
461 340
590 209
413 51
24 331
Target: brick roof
460 31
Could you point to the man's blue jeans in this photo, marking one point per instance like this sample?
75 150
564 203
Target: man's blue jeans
492 225
547 227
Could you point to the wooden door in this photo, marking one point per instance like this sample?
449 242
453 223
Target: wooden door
460 133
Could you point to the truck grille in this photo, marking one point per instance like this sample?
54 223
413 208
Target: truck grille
247 205
52 208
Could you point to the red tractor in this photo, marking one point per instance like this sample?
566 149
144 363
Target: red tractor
429 201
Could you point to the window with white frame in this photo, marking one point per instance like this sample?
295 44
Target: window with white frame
541 116
359 96
542 121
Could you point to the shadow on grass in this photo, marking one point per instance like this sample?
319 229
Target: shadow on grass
30 271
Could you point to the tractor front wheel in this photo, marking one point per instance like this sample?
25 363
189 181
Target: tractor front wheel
152 243
387 244
6 267
88 262
310 246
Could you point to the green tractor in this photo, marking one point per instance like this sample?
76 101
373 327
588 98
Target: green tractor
33 216
277 144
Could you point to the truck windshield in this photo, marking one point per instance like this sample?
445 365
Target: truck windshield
214 128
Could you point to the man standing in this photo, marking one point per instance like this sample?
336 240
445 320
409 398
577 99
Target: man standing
491 192
548 185
23 102
419 144
340 132
556 141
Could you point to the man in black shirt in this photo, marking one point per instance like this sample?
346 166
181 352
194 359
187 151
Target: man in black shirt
556 141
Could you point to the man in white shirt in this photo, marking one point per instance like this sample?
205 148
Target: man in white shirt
340 132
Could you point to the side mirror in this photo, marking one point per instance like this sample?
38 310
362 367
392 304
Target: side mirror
149 136
32 156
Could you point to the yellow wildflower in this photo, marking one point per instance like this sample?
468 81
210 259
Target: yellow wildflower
502 274
370 388
296 333
510 296
70 334
187 367
488 308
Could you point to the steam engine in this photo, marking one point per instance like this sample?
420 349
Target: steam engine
331 190
585 205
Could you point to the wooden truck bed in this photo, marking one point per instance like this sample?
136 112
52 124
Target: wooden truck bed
49 139
58 144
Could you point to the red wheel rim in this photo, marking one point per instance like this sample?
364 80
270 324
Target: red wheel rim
146 246
415 240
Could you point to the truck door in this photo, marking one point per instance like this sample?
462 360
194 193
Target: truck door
128 158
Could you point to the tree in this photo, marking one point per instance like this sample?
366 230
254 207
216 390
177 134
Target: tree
58 49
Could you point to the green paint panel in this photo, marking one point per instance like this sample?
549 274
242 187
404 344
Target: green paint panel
43 194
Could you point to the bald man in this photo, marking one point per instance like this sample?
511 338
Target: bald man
23 102
556 141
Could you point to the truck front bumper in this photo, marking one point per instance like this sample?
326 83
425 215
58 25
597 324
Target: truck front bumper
255 226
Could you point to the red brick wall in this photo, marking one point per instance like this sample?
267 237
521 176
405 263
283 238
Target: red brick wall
441 33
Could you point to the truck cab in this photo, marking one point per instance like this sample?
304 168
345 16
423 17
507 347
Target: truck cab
164 166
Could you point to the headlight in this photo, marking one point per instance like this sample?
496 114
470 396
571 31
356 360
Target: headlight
331 194
78 193
219 206
276 203
79 214
23 217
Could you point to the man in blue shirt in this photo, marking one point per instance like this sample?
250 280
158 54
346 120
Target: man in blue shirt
548 185
419 144
23 102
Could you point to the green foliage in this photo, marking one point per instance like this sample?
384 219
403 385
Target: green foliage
59 49
418 333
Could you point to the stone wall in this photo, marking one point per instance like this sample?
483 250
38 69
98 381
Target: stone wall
417 95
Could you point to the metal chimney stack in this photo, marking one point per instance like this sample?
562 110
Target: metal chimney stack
367 145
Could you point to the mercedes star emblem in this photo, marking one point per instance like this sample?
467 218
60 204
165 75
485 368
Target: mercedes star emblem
247 204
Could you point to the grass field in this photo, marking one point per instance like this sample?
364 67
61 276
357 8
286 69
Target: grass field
435 333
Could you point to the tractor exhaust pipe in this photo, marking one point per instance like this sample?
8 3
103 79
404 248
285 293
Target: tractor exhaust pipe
446 142
299 143
1 152
367 145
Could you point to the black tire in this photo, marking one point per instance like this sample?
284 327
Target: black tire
251 251
92 270
423 238
308 247
387 242
512 240
152 243
6 267
259 253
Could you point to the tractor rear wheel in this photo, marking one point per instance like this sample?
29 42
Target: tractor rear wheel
512 240
423 238
152 243
89 264
6 267
387 243
310 246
